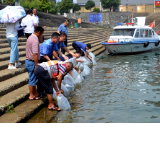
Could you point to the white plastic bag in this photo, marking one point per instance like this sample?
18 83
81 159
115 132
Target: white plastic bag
79 79
73 60
74 74
66 92
68 85
93 58
85 61
69 77
63 103
54 94
80 66
86 71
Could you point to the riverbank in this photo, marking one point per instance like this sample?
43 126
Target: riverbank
13 84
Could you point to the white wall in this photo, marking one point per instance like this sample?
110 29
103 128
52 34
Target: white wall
137 2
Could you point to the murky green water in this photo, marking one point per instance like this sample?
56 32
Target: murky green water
120 89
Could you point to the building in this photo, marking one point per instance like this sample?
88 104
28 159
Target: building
140 6
83 2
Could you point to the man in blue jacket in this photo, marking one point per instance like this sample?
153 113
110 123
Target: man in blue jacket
63 28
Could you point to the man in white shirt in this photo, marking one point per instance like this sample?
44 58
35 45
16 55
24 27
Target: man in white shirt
29 22
35 17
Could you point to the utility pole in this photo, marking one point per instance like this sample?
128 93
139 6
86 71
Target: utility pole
6 2
127 5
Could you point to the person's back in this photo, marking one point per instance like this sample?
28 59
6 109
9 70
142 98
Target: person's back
81 45
28 21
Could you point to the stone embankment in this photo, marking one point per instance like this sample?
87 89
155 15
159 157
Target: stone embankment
13 83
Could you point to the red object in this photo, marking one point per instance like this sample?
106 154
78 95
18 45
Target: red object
157 3
152 25
158 32
130 23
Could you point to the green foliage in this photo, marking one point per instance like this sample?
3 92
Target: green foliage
10 109
9 1
76 7
90 4
53 9
96 10
30 4
110 3
65 6
45 5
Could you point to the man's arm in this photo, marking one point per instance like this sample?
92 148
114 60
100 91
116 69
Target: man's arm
35 57
68 51
46 57
59 81
61 54
55 55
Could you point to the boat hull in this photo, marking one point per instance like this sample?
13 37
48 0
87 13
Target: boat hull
131 48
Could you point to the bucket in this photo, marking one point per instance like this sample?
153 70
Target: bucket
76 25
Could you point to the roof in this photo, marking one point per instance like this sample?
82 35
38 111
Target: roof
131 27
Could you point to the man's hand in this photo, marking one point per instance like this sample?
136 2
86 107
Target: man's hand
66 58
73 55
62 91
58 93
79 71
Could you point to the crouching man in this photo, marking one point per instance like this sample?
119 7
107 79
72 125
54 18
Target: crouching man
47 72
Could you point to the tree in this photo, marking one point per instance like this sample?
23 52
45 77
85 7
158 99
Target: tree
76 7
90 4
65 6
96 10
110 3
54 8
45 5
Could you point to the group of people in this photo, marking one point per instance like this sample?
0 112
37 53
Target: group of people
46 63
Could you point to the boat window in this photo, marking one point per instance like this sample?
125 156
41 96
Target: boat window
150 34
123 32
137 33
146 33
142 33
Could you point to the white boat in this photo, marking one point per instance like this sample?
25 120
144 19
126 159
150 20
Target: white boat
131 39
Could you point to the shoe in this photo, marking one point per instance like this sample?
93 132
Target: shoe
11 67
18 64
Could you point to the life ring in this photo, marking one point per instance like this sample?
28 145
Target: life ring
146 44
157 43
158 32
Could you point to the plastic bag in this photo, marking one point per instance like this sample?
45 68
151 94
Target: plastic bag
74 74
93 58
86 71
63 103
66 92
54 94
80 66
73 60
79 79
69 85
85 61
69 77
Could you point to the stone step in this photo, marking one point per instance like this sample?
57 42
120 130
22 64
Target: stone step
13 83
6 73
6 45
15 97
4 64
5 52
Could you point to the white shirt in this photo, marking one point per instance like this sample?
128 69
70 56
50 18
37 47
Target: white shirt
29 22
11 29
36 18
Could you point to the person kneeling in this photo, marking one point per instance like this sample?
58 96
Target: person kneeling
47 72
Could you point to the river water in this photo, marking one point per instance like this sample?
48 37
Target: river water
120 89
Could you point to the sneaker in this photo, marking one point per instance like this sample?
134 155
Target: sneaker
11 67
18 64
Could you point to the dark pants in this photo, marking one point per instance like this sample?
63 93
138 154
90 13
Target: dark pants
65 42
27 35
44 80
74 45
44 60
